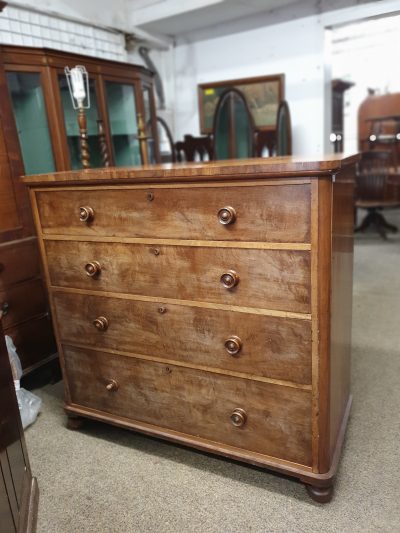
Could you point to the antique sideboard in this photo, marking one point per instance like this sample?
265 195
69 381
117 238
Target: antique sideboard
208 304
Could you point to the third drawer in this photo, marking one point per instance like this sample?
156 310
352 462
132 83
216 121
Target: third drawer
274 347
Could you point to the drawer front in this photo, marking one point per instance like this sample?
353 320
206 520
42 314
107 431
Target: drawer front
24 301
277 420
19 261
34 341
278 348
271 279
275 213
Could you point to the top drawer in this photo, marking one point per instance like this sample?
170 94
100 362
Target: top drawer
271 213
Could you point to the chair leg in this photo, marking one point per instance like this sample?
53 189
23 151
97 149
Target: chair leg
386 225
368 221
373 218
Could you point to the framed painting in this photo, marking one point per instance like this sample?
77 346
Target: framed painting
263 95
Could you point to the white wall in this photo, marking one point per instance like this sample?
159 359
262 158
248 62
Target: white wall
294 48
295 43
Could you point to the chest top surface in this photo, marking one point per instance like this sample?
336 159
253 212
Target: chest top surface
235 169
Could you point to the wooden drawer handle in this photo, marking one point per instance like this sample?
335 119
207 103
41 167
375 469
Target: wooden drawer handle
112 385
233 345
86 214
227 215
93 269
100 323
230 279
238 417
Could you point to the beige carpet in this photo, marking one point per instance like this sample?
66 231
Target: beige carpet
104 479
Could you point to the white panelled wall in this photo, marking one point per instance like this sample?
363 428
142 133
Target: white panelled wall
19 26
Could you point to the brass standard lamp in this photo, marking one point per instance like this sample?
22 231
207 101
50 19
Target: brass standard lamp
78 85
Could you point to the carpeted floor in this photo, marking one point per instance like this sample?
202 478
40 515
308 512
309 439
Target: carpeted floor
104 479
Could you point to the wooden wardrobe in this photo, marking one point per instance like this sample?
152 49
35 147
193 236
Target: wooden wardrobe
39 134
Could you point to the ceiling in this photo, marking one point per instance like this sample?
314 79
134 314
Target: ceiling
176 17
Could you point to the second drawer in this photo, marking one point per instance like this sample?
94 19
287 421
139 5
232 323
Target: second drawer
277 348
268 279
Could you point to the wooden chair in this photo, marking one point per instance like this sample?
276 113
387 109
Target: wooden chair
194 149
374 191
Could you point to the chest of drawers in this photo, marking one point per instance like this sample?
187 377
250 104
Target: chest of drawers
208 304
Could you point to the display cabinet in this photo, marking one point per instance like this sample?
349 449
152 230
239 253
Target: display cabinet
47 123
39 134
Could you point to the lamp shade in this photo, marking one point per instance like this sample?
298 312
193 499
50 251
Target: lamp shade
78 85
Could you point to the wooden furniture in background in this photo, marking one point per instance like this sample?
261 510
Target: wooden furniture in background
263 95
19 492
339 87
375 190
22 294
233 134
194 149
50 141
379 115
39 133
208 304
167 146
380 136
283 130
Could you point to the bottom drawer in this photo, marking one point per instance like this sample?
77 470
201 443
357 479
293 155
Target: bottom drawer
276 419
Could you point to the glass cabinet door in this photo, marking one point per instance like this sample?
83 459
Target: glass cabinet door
123 123
31 120
72 128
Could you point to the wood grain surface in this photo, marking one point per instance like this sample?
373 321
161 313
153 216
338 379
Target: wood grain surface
257 168
194 402
272 279
270 213
273 347
19 261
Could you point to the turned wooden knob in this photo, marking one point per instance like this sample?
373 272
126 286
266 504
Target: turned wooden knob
100 323
93 269
233 345
230 279
86 214
112 385
238 417
227 215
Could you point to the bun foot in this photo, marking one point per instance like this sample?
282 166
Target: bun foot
74 422
320 494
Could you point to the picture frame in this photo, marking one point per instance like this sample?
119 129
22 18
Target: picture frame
263 95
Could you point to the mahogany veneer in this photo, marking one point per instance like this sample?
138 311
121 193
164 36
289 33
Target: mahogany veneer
208 304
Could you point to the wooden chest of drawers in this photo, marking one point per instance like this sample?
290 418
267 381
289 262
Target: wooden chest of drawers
208 304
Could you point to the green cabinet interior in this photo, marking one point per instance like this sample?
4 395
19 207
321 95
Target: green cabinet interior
72 129
31 120
47 123
123 125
